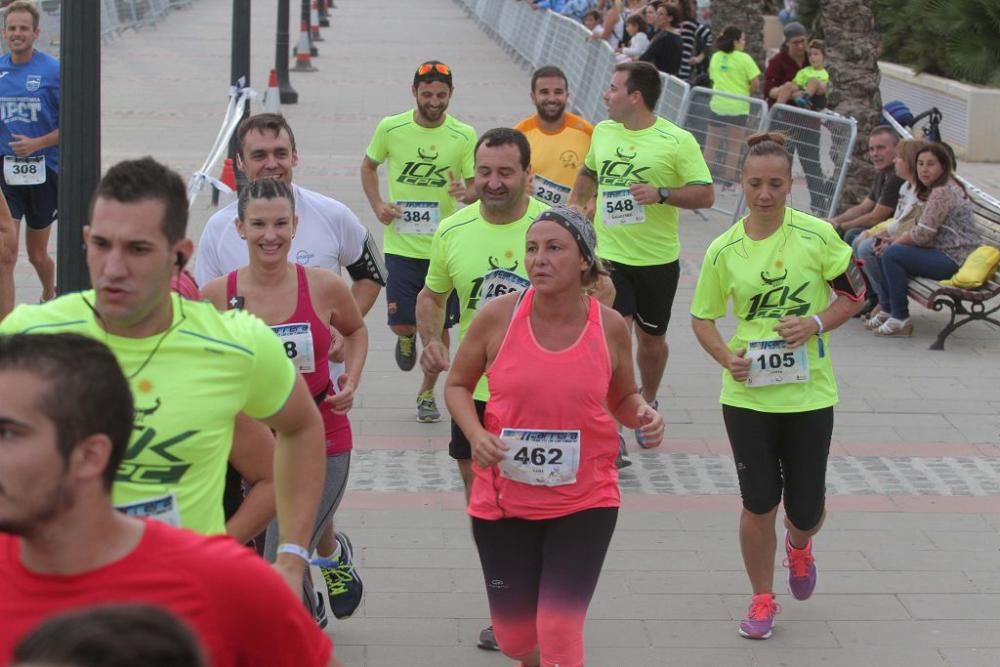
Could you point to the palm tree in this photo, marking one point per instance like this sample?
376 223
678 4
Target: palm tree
747 15
852 47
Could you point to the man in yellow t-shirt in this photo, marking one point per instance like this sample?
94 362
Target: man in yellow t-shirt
429 171
642 168
559 139
191 369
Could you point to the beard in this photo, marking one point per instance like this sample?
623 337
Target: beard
54 503
549 116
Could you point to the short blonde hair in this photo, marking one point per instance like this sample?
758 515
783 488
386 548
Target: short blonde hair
22 6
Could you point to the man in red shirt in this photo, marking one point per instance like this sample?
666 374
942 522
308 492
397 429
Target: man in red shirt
802 131
66 414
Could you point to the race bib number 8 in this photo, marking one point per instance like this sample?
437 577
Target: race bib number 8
548 191
771 362
621 208
24 170
418 217
298 342
540 457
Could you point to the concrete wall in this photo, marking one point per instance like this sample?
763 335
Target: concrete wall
969 124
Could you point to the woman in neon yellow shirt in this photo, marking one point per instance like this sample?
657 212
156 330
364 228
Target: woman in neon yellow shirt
731 71
777 266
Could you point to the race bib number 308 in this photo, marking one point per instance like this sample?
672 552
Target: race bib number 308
24 170
771 362
540 457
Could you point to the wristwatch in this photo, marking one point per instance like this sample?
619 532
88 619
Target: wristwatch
664 194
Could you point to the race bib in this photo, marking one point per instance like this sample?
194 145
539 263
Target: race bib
298 342
548 191
540 458
499 282
621 208
418 217
161 508
771 362
24 170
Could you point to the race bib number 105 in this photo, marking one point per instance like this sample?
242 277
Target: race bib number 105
771 362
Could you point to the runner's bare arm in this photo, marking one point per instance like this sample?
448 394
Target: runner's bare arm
584 189
253 457
346 318
215 292
692 196
431 307
298 475
385 212
24 146
711 340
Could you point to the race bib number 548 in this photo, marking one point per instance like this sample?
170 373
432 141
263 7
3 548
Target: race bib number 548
621 208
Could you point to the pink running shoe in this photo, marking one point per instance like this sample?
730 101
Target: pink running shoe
760 617
801 570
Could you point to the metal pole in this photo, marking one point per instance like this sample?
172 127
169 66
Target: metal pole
287 93
79 137
240 64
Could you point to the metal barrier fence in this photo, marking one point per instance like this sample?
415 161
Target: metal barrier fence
117 16
822 141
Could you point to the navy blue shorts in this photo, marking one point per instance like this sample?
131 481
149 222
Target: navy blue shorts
37 204
406 279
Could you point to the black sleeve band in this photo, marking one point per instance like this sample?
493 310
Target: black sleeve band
850 283
369 266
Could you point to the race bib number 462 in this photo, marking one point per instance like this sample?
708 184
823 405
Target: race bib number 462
540 457
771 362
619 207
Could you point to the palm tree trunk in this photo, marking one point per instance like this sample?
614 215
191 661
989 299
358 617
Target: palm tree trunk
852 59
747 15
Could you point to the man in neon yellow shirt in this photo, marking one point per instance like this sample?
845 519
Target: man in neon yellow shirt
559 139
479 253
429 153
642 168
192 370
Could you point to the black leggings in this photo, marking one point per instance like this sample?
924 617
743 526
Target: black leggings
781 451
540 576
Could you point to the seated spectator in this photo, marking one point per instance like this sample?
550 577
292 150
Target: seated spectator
881 201
67 413
936 246
666 48
635 26
649 13
907 212
123 635
813 80
731 71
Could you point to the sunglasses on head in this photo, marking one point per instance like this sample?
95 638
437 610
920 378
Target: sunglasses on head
427 68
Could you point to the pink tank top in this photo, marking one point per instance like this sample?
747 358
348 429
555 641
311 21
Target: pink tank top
538 389
337 427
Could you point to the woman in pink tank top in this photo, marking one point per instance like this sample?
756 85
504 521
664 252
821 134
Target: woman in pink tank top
301 304
545 498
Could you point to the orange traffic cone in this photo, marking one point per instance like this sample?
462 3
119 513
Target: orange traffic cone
272 97
314 21
303 57
228 174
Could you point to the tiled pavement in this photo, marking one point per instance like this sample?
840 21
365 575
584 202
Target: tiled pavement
909 558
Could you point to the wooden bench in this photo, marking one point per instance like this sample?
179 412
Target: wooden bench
965 305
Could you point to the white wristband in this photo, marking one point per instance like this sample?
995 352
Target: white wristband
295 550
819 323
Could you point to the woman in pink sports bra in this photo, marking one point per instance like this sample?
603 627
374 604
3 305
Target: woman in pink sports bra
545 497
301 304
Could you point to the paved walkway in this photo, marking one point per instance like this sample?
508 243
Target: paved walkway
910 573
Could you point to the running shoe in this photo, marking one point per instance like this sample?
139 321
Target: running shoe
427 409
623 460
406 352
320 611
638 434
487 640
760 617
343 585
801 570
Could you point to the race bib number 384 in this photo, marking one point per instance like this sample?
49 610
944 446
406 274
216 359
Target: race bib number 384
540 457
418 217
